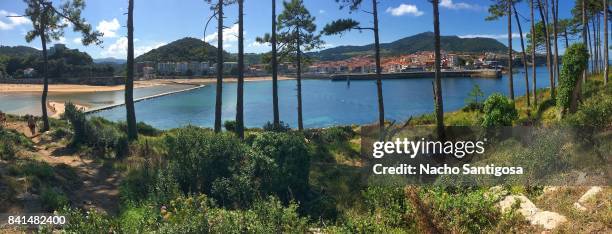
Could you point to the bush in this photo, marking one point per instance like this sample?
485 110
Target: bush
142 128
91 221
230 125
499 111
10 143
337 134
198 157
282 127
290 154
575 61
102 135
53 199
462 212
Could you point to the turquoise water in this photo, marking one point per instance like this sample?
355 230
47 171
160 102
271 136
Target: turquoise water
325 103
29 102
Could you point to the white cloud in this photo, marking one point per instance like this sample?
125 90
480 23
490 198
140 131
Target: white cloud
458 6
405 9
77 40
109 28
119 48
8 23
229 35
321 11
62 40
493 36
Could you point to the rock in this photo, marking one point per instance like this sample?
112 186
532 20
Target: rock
527 208
547 219
586 197
589 194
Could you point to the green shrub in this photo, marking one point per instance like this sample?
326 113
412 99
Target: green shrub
498 111
230 125
11 142
291 156
337 134
198 157
91 221
594 112
282 127
463 211
105 137
142 128
575 61
53 199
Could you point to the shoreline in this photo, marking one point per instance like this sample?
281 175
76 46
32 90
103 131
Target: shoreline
76 88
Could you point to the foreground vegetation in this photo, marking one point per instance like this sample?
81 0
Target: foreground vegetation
190 180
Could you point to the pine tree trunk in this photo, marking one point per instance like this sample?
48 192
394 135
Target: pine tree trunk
518 23
274 70
43 39
219 96
129 83
533 55
544 17
585 36
381 105
240 85
299 82
555 36
510 61
439 105
606 58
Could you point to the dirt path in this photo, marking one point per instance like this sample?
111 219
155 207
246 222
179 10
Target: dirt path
100 183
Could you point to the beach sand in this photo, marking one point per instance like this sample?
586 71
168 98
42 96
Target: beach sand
75 88
56 109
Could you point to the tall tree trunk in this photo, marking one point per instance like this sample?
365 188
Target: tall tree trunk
591 53
240 85
585 29
439 105
606 58
510 60
132 131
219 96
595 45
381 105
585 39
555 15
566 37
518 23
533 55
43 39
544 16
274 70
299 81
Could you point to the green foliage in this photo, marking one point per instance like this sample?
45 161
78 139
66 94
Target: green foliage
143 129
595 112
53 199
91 221
105 137
337 134
10 143
282 127
230 125
575 61
498 111
474 100
186 49
462 212
292 159
340 26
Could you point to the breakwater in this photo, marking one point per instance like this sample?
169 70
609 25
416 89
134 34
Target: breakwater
144 98
485 73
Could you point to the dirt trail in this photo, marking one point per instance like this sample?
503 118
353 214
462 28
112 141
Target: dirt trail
100 183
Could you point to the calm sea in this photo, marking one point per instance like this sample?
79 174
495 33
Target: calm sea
325 103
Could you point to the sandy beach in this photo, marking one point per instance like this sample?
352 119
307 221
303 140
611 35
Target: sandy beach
56 109
75 88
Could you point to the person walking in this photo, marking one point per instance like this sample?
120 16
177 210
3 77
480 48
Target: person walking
32 124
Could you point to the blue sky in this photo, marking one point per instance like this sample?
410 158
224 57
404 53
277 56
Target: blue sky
158 22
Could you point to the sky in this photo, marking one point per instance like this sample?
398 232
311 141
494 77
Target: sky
158 22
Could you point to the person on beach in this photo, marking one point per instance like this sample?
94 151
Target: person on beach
32 124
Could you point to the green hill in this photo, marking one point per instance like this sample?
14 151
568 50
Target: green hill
18 51
412 44
186 49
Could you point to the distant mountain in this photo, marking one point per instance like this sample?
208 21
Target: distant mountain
109 60
186 49
412 44
18 51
